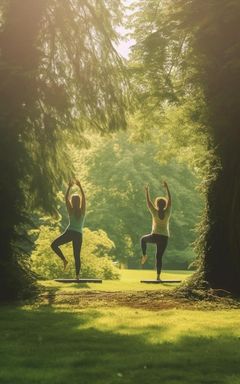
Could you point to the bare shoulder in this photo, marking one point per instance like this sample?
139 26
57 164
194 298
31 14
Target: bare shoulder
153 210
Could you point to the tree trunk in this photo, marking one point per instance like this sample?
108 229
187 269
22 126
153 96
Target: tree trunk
18 66
221 243
216 44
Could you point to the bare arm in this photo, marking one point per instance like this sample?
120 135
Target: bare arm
169 204
148 199
68 204
83 201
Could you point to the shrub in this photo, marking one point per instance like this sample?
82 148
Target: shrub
95 261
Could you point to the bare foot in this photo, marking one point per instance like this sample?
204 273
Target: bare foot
144 259
65 263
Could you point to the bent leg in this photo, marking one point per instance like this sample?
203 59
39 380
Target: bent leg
144 240
161 246
66 237
77 245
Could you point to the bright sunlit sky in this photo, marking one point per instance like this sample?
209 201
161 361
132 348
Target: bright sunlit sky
124 46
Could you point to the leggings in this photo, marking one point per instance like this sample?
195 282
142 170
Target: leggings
161 241
76 239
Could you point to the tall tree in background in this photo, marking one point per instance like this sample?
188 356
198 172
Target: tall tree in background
190 56
59 75
114 172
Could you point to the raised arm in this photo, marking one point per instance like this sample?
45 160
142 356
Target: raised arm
169 204
148 199
68 204
83 201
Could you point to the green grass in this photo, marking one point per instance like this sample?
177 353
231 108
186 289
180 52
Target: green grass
54 344
129 281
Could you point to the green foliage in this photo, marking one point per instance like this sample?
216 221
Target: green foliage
95 261
60 75
114 173
188 54
170 104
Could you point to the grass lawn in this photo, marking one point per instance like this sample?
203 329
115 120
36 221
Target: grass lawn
63 343
129 281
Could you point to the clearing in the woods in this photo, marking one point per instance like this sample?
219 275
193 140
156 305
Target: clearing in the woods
119 332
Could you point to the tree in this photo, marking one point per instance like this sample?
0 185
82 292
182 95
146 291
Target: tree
217 46
114 173
192 52
59 75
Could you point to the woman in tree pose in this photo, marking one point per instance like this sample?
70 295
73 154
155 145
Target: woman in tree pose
160 212
76 207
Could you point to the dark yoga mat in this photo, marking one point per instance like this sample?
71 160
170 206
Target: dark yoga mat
160 281
78 281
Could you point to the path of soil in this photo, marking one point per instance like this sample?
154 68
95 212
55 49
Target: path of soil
148 300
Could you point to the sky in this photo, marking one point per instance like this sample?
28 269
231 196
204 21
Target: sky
124 46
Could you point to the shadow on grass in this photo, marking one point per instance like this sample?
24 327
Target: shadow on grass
45 346
81 285
74 285
49 294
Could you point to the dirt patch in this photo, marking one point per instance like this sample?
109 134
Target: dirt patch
147 300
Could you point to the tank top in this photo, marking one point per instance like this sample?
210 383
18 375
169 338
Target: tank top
160 226
76 223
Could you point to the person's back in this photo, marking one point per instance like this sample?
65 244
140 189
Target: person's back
161 213
161 225
76 223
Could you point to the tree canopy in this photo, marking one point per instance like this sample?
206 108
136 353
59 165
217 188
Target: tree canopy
190 54
60 74
114 172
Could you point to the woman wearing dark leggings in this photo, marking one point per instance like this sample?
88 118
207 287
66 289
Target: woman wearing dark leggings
160 212
76 207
